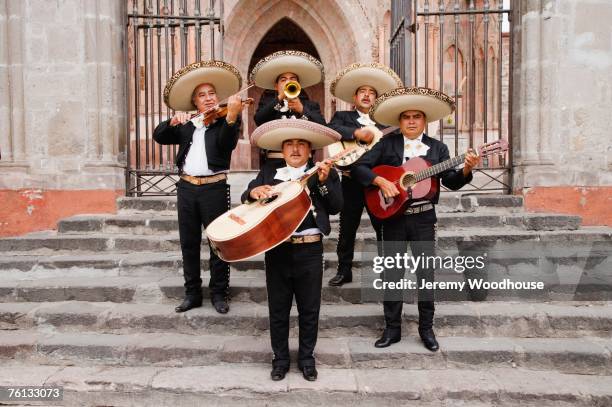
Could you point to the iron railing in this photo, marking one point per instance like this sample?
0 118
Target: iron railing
466 52
162 36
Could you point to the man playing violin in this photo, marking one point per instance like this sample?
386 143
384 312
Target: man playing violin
203 160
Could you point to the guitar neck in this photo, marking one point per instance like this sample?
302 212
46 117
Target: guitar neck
438 168
304 178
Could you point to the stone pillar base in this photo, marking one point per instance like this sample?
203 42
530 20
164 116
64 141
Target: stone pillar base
591 203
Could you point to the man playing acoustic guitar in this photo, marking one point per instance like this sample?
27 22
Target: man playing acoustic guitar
295 267
411 109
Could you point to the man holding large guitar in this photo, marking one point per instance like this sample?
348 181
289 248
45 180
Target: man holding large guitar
411 109
295 267
358 84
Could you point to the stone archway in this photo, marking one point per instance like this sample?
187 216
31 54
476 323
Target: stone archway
331 33
285 34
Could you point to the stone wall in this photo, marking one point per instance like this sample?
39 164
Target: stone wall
561 111
62 104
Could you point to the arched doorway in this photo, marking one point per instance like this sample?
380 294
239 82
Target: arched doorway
332 30
284 35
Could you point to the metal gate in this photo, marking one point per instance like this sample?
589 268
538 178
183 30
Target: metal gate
462 48
162 36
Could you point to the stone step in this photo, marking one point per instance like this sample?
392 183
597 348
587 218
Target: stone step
467 319
162 224
510 259
452 201
250 385
567 355
160 287
48 241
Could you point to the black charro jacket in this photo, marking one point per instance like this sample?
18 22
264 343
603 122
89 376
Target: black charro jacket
220 140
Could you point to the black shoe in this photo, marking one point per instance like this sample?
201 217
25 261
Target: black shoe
310 373
429 339
387 339
189 303
221 305
339 279
278 373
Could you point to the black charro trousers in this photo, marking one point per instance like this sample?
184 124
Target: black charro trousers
294 270
198 206
350 217
420 231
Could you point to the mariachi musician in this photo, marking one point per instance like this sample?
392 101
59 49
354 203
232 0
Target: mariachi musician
411 109
295 267
285 73
358 84
203 159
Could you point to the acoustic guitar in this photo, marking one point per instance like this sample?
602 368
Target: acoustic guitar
415 181
255 227
357 148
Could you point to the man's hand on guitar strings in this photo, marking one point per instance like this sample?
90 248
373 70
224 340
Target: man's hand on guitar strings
263 191
364 135
323 171
387 187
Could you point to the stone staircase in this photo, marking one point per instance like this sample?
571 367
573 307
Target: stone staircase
90 307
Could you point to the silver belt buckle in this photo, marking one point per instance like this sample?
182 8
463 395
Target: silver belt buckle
418 209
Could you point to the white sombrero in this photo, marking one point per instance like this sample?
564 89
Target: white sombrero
308 69
379 76
271 135
388 107
178 91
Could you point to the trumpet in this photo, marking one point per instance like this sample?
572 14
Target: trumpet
292 89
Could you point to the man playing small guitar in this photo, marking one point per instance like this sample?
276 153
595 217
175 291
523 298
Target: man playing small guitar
411 109
358 84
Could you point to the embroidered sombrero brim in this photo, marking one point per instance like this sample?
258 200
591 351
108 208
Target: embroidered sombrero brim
378 76
178 91
388 107
271 135
308 69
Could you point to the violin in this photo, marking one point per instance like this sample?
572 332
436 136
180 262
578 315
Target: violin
218 111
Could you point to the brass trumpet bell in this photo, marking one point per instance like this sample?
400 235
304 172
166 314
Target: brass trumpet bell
292 89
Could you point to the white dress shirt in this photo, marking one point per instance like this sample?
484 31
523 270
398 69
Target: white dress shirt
414 148
364 119
196 163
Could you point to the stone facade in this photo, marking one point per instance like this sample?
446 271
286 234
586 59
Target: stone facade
63 98
62 109
562 98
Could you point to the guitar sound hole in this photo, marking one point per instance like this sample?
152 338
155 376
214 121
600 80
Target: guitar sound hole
408 180
272 198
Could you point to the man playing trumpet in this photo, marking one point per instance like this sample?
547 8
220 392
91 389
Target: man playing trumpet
285 73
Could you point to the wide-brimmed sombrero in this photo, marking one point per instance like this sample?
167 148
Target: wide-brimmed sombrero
378 76
308 69
271 135
223 76
388 106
